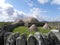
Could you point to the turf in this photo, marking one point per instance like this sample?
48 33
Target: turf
23 29
4 23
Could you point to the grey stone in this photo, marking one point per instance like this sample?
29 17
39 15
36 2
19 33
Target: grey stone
54 38
18 41
2 37
6 36
38 37
11 40
42 39
32 40
24 39
17 34
46 40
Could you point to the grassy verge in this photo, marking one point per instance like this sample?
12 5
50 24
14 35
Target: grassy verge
23 29
4 23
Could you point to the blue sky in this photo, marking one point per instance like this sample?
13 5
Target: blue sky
41 9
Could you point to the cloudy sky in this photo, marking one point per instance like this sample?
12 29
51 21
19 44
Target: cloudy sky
11 10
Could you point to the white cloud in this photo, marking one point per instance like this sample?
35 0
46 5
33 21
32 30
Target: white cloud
29 3
8 13
34 12
2 1
57 2
9 10
43 1
37 13
4 5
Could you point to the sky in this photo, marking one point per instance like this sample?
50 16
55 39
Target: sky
43 10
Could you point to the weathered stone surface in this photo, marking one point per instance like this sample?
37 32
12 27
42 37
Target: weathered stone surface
6 36
8 28
38 37
46 40
32 40
41 39
2 37
24 39
18 41
11 40
54 38
17 34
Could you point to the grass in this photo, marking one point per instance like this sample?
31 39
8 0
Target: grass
3 23
23 29
43 30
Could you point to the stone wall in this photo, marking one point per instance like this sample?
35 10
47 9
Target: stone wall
10 38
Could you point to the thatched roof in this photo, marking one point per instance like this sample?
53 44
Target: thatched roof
31 20
46 26
18 21
33 28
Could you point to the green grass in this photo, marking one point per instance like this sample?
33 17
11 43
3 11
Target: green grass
43 30
3 23
23 29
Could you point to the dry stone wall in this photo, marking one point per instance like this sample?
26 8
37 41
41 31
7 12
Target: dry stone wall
10 38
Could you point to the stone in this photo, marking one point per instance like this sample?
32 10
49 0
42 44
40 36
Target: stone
42 39
38 37
18 41
6 36
54 30
46 40
54 38
2 37
32 40
24 39
17 34
11 40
